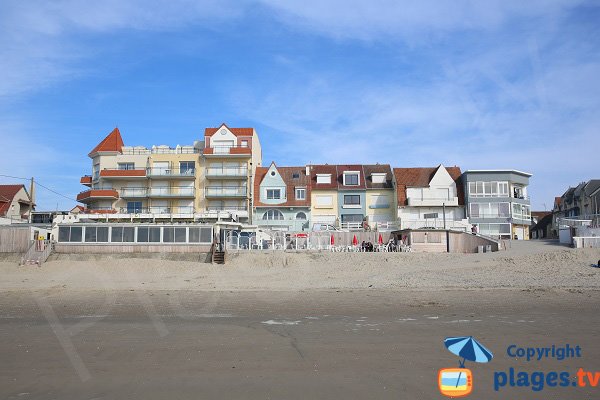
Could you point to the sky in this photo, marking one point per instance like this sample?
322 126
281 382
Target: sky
478 84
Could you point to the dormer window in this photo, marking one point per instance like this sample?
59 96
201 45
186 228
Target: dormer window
378 177
273 194
296 175
323 178
351 178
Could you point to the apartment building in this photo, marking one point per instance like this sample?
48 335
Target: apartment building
282 198
498 202
380 206
581 202
430 197
208 180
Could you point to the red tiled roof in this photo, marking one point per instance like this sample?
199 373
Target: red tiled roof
381 169
7 194
420 177
350 168
235 131
112 142
291 183
323 169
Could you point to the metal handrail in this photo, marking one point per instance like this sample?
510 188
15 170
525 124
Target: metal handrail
161 171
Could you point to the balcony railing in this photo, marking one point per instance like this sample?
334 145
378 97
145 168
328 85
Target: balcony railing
172 172
220 191
228 150
157 210
86 180
123 173
91 194
134 192
433 201
226 208
226 172
181 191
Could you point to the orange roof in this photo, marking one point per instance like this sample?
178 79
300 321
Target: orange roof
420 177
235 131
7 194
291 183
113 142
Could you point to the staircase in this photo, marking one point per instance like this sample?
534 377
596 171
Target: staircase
38 253
218 257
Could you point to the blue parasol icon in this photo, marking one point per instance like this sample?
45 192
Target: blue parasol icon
469 349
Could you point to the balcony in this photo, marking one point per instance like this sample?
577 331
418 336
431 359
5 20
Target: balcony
228 151
226 173
97 194
177 192
223 191
185 173
133 193
116 173
157 210
433 201
86 180
226 208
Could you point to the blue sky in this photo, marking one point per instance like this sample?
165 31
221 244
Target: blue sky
481 85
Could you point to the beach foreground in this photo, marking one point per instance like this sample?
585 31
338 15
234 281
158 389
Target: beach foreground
292 326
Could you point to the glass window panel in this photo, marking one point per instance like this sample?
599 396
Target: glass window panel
128 234
475 210
168 235
206 235
75 234
64 232
194 235
116 234
479 187
180 235
142 234
504 210
154 235
472 188
102 234
90 234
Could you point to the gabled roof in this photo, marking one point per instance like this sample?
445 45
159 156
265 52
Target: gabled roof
592 186
235 131
420 177
113 143
7 194
287 174
378 169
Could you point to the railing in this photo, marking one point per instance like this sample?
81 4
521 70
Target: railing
352 226
233 171
226 208
586 242
157 210
222 191
223 150
437 223
175 172
170 150
490 215
38 252
134 192
180 191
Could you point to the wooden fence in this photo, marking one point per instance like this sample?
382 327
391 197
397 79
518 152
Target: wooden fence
14 239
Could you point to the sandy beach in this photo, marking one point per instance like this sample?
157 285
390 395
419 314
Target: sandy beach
533 264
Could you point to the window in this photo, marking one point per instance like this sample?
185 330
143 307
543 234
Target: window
273 194
378 177
69 234
120 234
174 235
503 189
488 189
126 166
146 234
475 210
244 143
324 201
200 235
351 200
301 216
272 215
351 178
187 167
95 234
296 175
134 207
300 193
323 178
